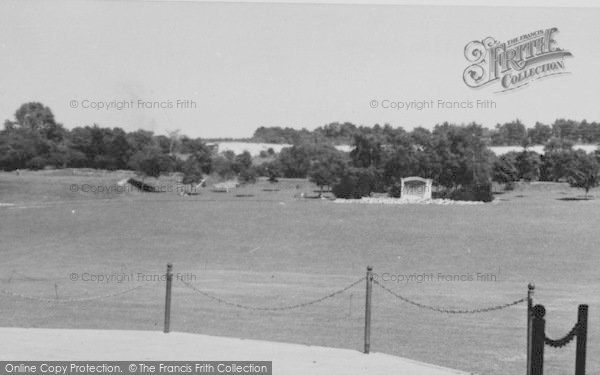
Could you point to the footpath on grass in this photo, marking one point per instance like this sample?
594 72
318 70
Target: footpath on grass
32 344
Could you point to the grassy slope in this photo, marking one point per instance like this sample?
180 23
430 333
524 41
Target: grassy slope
272 248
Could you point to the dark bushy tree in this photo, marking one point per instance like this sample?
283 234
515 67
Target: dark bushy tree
294 161
556 164
248 176
242 162
509 134
222 166
327 168
558 144
356 183
566 129
589 132
585 172
505 170
151 162
367 152
192 170
528 164
539 134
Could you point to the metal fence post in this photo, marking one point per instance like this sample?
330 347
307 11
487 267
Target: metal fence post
368 310
582 317
538 329
168 298
530 291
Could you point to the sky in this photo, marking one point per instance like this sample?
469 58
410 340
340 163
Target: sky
236 66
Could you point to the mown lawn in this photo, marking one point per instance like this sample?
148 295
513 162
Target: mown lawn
272 248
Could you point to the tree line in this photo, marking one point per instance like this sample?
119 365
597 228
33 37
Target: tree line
456 157
513 133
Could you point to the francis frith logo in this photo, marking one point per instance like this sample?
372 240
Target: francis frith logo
514 63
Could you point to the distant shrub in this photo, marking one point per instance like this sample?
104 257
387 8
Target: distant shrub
346 188
37 162
355 184
192 171
478 193
247 176
395 190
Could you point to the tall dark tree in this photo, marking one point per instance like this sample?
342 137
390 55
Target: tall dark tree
367 152
327 168
539 134
509 134
192 170
505 170
566 129
528 163
586 172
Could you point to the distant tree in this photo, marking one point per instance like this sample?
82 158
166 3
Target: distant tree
505 170
356 183
539 134
556 164
163 142
247 176
338 133
118 148
272 171
558 144
192 170
589 132
327 168
566 129
33 140
528 164
367 151
294 161
39 119
585 174
229 155
401 162
282 135
509 134
150 162
139 140
421 137
223 167
242 162
193 146
459 157
173 140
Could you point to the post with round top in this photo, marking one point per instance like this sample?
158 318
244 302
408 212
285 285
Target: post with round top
582 318
538 329
168 298
530 291
368 310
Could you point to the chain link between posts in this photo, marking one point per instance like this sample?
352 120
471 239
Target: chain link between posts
446 310
554 343
67 300
564 340
278 308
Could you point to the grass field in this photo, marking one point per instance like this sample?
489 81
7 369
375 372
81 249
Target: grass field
262 247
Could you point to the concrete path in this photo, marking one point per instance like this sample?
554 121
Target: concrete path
288 359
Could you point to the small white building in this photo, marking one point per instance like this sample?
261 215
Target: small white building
416 188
